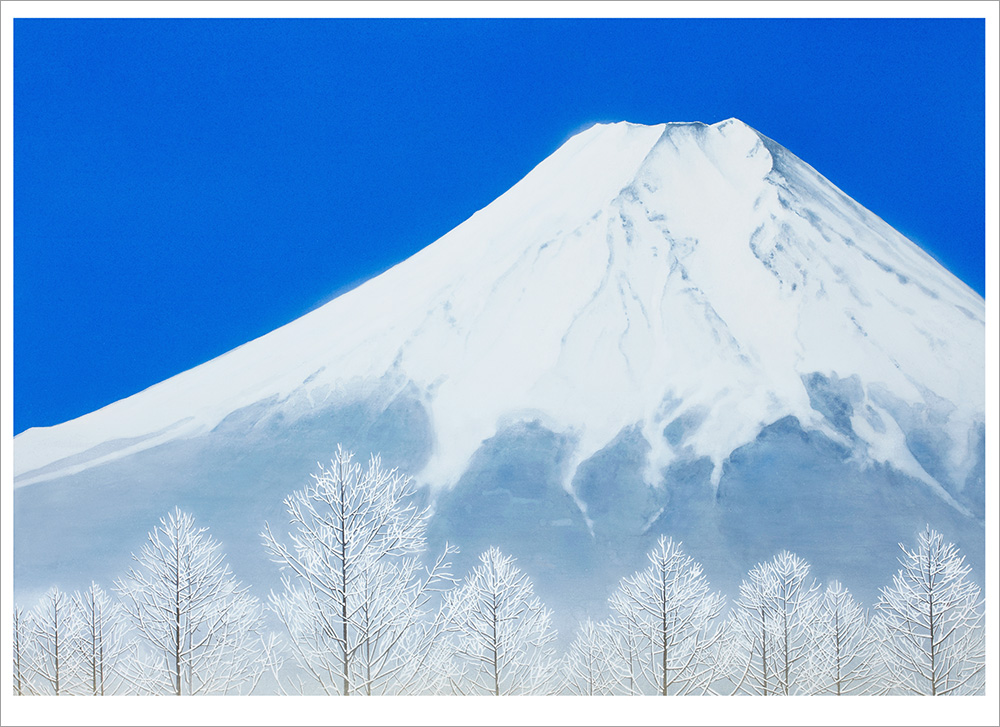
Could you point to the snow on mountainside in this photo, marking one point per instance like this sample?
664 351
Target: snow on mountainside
699 282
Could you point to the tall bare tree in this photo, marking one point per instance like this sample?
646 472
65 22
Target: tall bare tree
55 626
669 616
795 603
101 641
23 653
592 665
842 659
503 634
931 622
202 629
356 599
749 645
769 631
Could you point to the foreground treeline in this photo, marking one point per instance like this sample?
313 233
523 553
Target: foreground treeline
362 611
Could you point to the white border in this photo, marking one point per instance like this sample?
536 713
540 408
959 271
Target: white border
501 9
475 710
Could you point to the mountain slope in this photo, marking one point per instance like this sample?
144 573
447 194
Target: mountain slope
678 263
652 312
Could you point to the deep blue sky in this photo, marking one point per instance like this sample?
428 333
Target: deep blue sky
184 186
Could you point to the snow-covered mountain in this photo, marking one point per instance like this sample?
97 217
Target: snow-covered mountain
680 328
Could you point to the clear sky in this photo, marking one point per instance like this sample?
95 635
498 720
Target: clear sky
184 186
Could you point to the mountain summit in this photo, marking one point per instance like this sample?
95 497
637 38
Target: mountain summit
679 328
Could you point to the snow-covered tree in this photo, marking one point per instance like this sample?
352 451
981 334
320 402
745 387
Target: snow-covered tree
931 622
201 628
842 658
627 658
592 665
795 602
769 631
667 615
749 649
433 668
23 652
503 634
356 600
54 627
100 642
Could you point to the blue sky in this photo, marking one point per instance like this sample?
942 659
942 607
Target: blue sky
184 186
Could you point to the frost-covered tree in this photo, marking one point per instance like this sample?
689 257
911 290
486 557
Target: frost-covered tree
627 658
749 645
200 627
23 652
503 635
592 665
795 604
666 614
842 659
101 641
54 627
930 622
769 631
356 599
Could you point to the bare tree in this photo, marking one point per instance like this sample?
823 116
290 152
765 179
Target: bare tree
795 603
592 665
842 659
101 641
627 656
24 655
769 631
749 647
356 599
54 629
202 628
669 612
931 622
503 633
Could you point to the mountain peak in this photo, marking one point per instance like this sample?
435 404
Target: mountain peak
734 122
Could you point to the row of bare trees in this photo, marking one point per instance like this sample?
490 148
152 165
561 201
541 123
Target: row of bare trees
361 612
785 635
181 624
